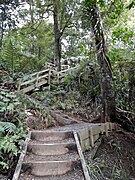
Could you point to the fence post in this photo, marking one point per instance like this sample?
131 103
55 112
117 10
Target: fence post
37 79
58 80
49 79
19 86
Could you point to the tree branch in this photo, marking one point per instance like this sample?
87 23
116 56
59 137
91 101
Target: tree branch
66 25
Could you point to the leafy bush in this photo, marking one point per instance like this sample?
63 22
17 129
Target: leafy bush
85 80
12 133
11 139
11 109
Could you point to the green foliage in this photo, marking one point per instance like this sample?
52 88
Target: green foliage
122 60
10 55
123 34
90 4
8 101
119 173
16 55
95 171
11 109
7 127
4 165
85 79
12 133
7 16
11 140
131 5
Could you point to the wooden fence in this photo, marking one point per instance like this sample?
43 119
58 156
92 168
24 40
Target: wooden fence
44 77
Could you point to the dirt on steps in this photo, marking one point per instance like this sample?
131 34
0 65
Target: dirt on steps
40 163
74 174
67 156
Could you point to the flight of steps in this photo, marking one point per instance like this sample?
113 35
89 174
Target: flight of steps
51 155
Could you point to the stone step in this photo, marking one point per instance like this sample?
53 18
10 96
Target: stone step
50 135
75 174
68 156
47 168
51 149
68 140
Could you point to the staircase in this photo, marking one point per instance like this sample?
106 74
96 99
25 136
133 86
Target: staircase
50 155
48 77
56 154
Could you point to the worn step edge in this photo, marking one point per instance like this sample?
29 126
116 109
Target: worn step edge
51 135
68 156
67 140
51 149
48 168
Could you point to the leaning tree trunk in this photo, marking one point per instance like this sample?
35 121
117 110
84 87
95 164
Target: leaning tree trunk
1 34
57 37
2 29
106 80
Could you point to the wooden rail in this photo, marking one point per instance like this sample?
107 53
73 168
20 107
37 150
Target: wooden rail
53 66
44 77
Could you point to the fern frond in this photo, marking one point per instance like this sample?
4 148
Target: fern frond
7 127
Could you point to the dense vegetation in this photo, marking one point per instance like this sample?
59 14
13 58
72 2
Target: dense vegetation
98 36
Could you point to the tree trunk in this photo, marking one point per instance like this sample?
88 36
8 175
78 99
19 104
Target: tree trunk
32 50
1 32
39 53
131 76
57 37
106 80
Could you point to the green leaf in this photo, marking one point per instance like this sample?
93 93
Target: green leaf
6 100
10 107
4 165
63 106
7 126
131 5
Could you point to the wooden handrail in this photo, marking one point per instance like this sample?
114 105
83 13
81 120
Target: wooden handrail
34 74
42 77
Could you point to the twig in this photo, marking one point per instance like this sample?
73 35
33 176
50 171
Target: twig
123 111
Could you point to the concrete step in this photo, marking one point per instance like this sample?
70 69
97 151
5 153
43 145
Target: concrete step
50 135
68 140
68 156
51 149
47 168
74 174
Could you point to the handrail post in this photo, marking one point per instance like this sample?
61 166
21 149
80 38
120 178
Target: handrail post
19 86
37 80
58 79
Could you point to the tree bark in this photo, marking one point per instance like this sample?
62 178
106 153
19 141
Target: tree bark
106 80
1 34
39 53
131 76
32 50
57 37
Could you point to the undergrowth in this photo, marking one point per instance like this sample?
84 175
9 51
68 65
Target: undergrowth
12 130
